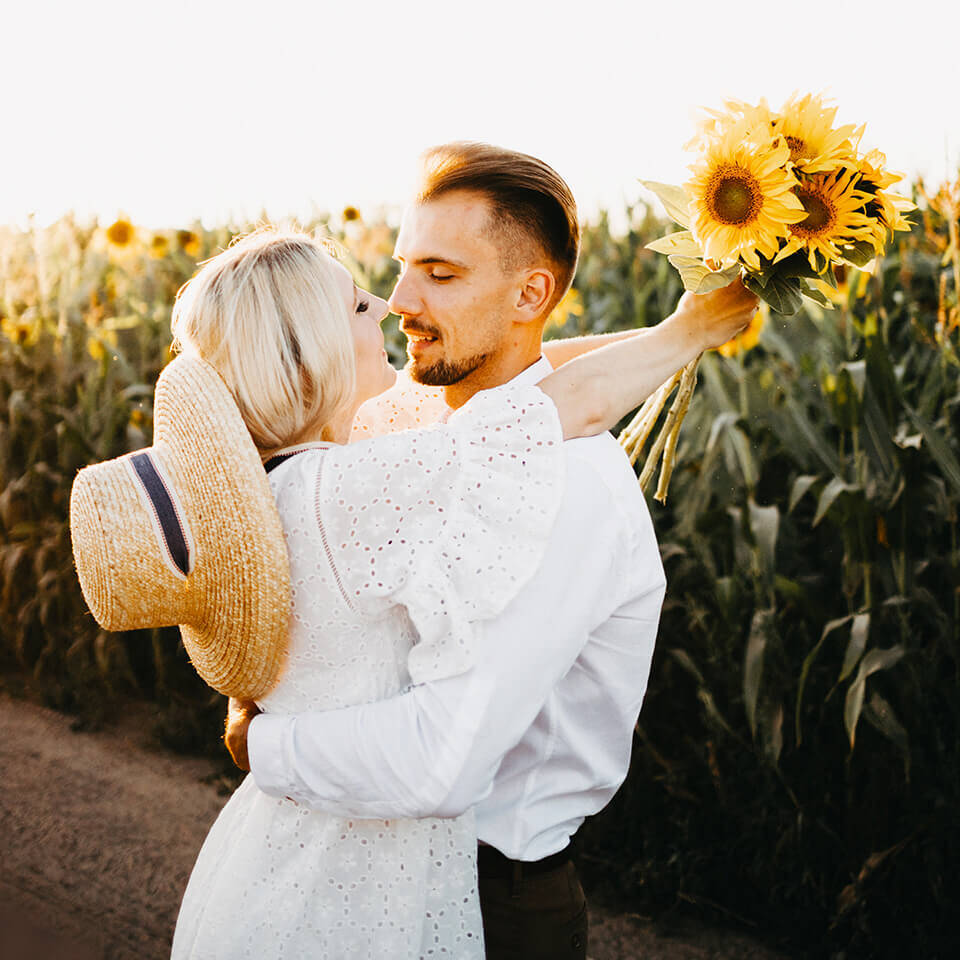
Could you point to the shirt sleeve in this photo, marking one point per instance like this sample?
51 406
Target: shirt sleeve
448 522
434 750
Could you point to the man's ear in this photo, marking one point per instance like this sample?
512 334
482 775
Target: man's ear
535 293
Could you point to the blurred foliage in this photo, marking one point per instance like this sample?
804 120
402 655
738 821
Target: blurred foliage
84 333
796 761
797 755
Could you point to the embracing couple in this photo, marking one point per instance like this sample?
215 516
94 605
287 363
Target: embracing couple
450 646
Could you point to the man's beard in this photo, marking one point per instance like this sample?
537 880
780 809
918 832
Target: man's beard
442 373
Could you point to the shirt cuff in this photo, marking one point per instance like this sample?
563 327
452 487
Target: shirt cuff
267 738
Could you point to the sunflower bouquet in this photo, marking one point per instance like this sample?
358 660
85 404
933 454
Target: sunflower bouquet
777 199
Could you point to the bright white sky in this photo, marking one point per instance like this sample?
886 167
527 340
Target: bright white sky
167 111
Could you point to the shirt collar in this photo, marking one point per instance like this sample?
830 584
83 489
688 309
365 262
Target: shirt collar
531 375
534 373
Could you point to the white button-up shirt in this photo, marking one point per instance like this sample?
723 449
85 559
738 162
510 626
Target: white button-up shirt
537 735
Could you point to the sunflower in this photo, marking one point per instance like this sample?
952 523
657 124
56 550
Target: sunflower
101 343
188 242
872 167
742 198
834 217
370 245
886 209
159 246
807 126
22 331
121 233
850 281
747 339
569 305
715 124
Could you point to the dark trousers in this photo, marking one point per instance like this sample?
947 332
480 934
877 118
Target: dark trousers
530 915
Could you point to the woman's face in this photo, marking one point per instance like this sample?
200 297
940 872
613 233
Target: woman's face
366 312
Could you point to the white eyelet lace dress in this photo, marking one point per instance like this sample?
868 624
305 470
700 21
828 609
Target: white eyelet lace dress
397 545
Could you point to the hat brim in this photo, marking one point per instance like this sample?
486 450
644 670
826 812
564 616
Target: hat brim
240 576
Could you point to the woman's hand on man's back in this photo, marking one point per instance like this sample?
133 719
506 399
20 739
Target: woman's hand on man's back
239 715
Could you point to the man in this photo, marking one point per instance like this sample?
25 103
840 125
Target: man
537 735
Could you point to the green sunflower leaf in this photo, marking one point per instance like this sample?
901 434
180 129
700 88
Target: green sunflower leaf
761 277
698 278
680 243
817 296
859 253
674 199
781 293
796 265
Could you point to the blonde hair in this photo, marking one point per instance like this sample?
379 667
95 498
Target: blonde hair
269 316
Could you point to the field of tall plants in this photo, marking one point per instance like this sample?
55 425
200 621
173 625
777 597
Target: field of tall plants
796 762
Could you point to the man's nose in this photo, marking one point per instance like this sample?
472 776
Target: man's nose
403 301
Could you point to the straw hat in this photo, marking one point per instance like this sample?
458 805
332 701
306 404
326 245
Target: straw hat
187 532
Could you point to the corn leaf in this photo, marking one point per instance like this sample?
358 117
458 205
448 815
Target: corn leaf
686 661
829 495
873 661
800 486
938 447
739 442
877 440
760 630
771 733
879 714
857 372
765 523
805 670
858 643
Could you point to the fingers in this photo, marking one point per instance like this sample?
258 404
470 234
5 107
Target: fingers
241 708
739 293
235 740
239 715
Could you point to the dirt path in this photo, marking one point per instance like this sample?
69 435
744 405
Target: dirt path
98 834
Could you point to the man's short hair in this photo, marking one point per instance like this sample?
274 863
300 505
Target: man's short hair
530 202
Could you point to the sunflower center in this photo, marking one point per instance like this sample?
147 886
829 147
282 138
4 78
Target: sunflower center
798 148
733 196
120 233
821 214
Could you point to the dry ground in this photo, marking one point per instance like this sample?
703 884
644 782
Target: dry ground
98 833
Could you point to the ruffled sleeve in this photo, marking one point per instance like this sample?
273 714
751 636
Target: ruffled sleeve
407 405
449 521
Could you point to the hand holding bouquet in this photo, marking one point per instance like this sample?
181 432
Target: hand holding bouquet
777 199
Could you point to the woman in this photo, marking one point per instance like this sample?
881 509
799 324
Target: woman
374 531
